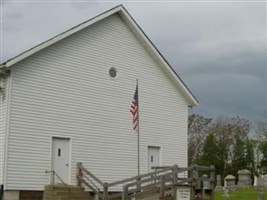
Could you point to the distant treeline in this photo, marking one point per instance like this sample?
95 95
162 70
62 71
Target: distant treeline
228 144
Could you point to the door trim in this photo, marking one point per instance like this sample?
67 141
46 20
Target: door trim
69 158
160 155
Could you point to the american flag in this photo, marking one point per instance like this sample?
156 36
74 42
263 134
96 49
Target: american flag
134 109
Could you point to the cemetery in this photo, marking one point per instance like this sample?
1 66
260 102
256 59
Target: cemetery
241 187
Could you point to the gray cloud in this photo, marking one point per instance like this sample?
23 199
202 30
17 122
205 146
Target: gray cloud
218 49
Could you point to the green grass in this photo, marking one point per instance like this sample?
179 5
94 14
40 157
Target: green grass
240 194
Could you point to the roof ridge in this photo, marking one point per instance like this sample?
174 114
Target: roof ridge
62 33
130 22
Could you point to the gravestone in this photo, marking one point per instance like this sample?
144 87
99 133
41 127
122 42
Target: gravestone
244 178
225 192
206 186
218 183
255 181
230 182
260 188
265 180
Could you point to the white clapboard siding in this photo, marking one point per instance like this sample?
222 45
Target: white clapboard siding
3 115
65 91
2 122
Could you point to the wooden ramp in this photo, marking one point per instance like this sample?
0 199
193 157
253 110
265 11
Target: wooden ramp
150 186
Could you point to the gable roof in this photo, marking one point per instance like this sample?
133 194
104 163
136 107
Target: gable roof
134 27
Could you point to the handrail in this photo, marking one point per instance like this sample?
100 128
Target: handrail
167 180
54 173
134 178
90 174
162 179
93 189
147 180
122 181
151 178
91 181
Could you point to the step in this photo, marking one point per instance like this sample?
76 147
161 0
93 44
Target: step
78 198
63 192
70 197
63 188
72 194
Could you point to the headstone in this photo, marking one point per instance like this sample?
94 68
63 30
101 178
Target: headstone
260 195
265 180
260 188
230 182
244 178
219 183
225 192
260 181
219 180
255 181
206 184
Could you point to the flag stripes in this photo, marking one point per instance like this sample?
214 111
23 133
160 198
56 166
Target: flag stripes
134 109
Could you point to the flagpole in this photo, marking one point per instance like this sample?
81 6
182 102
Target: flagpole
138 135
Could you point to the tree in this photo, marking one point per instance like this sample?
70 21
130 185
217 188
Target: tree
224 143
198 129
228 147
243 156
261 145
211 154
263 151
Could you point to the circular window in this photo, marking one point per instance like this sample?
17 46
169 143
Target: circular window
113 72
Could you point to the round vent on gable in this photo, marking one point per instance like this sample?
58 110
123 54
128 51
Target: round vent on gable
113 72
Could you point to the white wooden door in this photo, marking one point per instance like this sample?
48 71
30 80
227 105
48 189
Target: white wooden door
153 157
60 159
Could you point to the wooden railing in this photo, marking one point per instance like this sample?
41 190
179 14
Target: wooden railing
158 181
197 182
54 174
91 181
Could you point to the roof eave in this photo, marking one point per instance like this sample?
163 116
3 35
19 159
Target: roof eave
192 101
59 37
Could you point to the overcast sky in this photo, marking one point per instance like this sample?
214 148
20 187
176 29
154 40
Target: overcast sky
218 48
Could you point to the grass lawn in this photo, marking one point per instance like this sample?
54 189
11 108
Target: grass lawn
240 194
